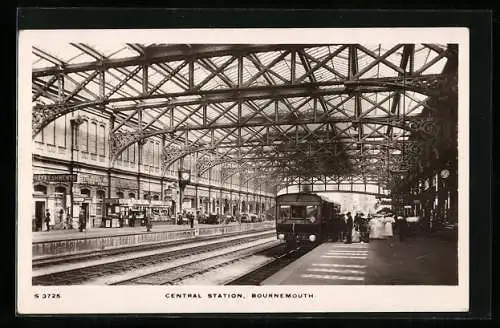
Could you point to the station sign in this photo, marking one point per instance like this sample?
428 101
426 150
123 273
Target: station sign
54 177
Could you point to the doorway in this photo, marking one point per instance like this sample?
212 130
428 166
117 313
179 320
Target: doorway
39 213
85 211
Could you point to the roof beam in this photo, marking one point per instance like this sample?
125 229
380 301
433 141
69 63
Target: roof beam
159 54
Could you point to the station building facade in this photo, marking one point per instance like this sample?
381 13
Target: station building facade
136 177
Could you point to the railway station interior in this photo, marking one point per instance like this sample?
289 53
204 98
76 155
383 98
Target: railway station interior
162 142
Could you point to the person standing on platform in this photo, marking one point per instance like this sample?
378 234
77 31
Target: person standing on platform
401 227
81 220
47 220
61 222
348 230
191 220
358 221
132 221
341 227
149 223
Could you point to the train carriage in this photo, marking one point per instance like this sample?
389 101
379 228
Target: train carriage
304 217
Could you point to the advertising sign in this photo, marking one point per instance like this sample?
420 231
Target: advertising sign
54 177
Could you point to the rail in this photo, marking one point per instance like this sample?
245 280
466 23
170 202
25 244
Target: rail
82 245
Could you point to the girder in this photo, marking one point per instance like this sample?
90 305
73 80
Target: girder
163 53
299 110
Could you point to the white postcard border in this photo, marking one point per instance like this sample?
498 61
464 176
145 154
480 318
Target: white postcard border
151 299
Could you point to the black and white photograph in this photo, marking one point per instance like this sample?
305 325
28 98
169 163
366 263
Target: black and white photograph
252 168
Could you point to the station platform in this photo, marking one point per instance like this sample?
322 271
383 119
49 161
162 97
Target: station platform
55 235
49 244
419 260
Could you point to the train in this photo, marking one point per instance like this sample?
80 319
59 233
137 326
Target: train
304 218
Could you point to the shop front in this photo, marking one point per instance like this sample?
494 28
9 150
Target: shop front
50 196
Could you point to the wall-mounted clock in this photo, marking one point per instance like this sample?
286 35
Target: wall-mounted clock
445 173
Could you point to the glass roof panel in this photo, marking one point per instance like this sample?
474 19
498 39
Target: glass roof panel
411 103
38 62
437 67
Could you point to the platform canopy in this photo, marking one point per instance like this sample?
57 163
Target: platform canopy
318 113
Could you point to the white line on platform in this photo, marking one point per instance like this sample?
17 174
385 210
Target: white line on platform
330 277
357 266
348 248
344 257
347 252
335 270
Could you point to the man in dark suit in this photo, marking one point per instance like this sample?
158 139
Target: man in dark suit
349 224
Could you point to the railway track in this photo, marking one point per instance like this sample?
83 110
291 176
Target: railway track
72 258
81 275
282 259
177 274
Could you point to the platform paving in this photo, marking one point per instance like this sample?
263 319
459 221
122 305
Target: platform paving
419 260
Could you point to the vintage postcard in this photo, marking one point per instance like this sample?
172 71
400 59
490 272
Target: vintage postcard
243 170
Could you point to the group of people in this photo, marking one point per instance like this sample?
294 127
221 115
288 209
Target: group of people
189 216
61 221
359 228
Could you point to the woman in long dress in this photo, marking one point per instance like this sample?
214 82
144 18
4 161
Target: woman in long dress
389 220
376 228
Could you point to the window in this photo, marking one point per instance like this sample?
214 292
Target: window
157 158
156 197
145 153
132 154
61 131
119 194
49 133
131 195
298 213
60 190
93 138
83 136
284 213
125 154
311 211
85 192
153 154
101 194
150 153
41 189
101 144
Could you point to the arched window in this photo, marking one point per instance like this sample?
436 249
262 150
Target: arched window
156 197
60 190
85 192
131 195
119 194
101 194
41 189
